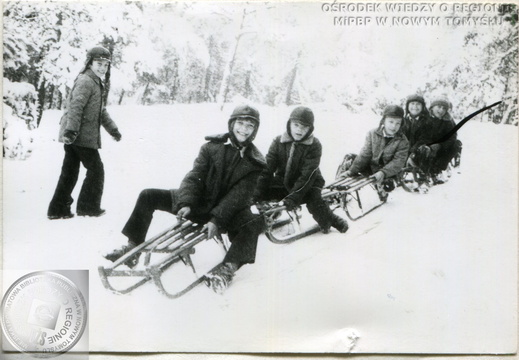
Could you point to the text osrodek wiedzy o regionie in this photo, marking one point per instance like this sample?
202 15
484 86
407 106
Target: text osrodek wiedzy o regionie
416 14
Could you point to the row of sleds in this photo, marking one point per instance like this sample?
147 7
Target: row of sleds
186 247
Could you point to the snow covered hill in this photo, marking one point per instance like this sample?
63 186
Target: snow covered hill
424 273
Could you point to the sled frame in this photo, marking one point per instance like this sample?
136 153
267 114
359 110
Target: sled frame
293 217
347 191
176 242
342 193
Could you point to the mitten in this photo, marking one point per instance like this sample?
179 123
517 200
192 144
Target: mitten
116 135
289 204
69 136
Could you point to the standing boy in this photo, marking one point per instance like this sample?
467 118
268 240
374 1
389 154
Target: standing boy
80 132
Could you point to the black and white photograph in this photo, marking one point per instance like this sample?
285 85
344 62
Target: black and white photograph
274 178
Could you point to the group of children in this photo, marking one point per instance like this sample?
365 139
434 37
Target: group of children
432 144
414 138
230 174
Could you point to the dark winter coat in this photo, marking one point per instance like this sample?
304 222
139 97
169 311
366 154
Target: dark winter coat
85 112
303 173
418 131
209 189
440 127
382 154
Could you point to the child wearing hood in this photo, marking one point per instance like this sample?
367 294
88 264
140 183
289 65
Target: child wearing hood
384 153
216 192
292 174
416 125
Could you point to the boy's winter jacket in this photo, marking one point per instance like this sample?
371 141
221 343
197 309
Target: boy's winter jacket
386 154
221 182
418 131
85 112
298 174
440 127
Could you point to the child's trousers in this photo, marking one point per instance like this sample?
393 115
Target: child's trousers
243 230
89 200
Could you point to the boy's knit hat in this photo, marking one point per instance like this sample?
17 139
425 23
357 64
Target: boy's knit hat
303 115
393 111
98 52
441 101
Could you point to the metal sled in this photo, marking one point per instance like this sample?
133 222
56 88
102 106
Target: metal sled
358 196
415 180
173 246
284 227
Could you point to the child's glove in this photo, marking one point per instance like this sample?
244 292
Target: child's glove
289 204
116 135
69 137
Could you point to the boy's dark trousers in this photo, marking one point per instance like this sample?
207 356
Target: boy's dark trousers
89 200
442 159
243 230
315 204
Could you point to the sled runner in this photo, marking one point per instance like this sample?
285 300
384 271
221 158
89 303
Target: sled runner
284 226
358 196
172 247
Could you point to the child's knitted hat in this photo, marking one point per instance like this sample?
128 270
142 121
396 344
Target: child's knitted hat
441 101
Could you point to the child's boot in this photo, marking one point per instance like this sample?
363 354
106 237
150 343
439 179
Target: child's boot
221 278
117 253
339 223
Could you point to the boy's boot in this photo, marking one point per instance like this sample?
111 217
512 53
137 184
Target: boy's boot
117 253
339 223
325 229
382 194
221 278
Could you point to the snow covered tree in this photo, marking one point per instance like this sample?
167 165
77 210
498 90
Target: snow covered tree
20 115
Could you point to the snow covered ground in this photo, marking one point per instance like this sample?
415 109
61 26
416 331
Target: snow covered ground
424 273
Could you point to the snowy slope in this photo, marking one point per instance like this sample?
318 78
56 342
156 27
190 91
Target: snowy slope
433 273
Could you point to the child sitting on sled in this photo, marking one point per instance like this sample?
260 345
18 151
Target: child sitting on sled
383 155
417 127
216 192
442 152
292 174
